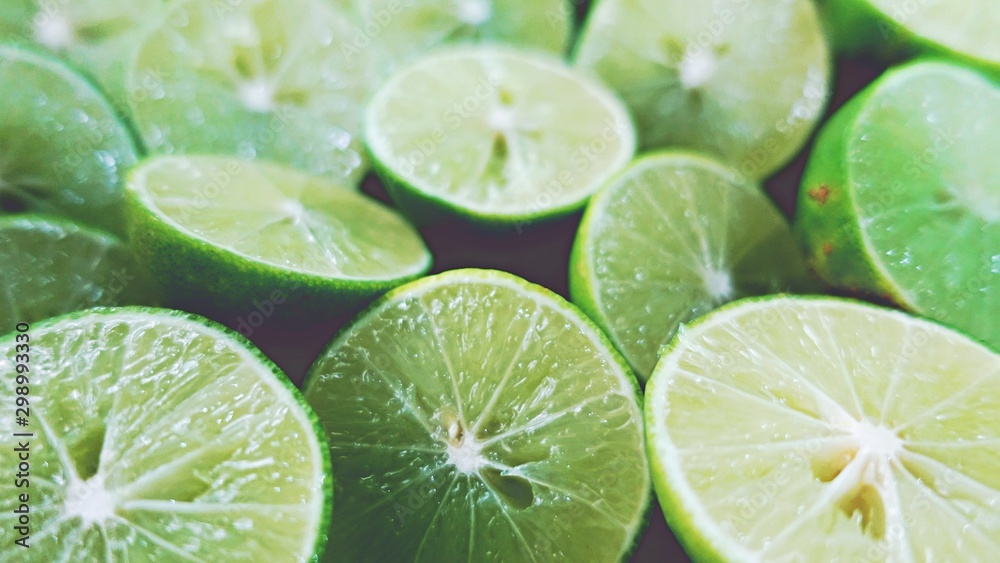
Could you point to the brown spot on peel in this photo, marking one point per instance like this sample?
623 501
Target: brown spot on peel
828 249
820 194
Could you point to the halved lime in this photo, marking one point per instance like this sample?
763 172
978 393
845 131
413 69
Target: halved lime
495 136
403 29
893 28
62 149
222 234
745 81
788 429
97 36
901 198
156 436
474 416
256 79
52 266
668 240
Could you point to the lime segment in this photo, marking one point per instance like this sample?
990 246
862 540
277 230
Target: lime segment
901 196
745 81
671 238
230 231
517 437
62 149
52 266
819 429
157 436
255 79
495 136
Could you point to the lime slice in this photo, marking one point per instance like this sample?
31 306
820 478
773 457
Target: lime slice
746 81
97 36
156 436
892 29
62 150
403 29
256 79
495 136
901 197
671 238
823 430
474 416
221 234
53 266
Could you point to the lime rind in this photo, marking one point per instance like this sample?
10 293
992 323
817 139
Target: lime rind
279 383
699 533
536 292
415 180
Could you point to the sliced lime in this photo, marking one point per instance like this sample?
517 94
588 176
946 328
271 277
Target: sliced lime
746 81
403 29
823 430
220 233
97 36
671 238
62 149
902 199
52 266
473 416
256 79
495 136
891 29
155 436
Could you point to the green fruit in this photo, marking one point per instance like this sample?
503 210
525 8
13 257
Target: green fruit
157 436
222 234
790 429
474 416
901 197
745 81
62 149
671 238
495 136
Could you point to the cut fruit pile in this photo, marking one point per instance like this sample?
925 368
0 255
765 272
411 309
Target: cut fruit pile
161 437
516 435
781 428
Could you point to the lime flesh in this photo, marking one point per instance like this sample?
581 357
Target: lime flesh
744 81
819 430
158 437
517 436
671 238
